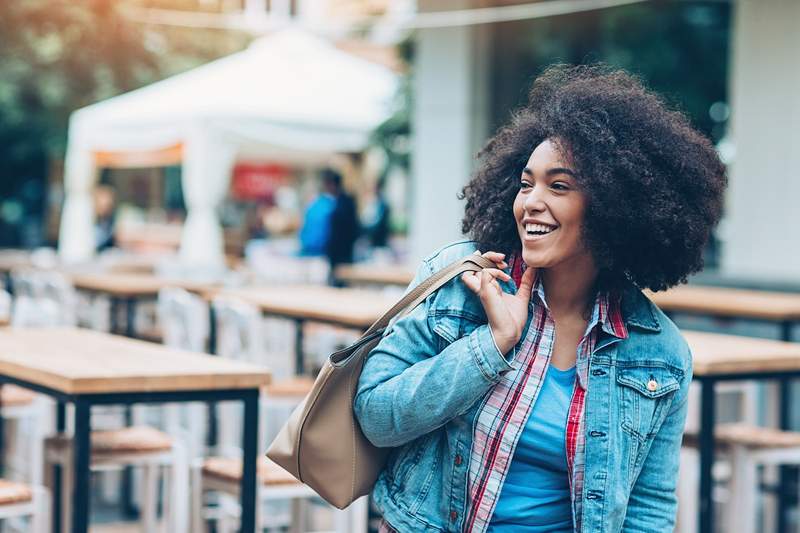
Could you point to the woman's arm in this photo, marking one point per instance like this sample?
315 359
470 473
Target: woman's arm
653 503
408 388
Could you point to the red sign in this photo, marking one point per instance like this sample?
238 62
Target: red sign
258 181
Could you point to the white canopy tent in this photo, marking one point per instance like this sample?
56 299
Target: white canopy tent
289 97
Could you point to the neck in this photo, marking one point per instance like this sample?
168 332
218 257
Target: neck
570 287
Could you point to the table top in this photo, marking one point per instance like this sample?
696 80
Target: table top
133 285
716 354
349 307
11 259
377 274
76 361
722 301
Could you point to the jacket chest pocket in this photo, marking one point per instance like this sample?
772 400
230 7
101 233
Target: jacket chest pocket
645 394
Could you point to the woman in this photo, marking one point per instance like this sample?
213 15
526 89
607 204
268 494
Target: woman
549 394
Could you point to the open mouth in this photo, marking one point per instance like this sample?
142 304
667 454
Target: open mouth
539 230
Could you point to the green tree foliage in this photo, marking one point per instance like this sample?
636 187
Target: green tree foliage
393 135
59 55
680 49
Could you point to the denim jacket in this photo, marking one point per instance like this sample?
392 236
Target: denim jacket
424 384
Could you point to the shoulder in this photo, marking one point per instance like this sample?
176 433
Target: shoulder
671 342
454 298
450 253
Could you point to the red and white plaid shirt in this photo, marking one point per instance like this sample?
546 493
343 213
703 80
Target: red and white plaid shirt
505 412
502 418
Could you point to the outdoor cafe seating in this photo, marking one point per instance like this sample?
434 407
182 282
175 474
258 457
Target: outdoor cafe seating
197 445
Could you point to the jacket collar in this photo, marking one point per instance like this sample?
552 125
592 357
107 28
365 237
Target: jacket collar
638 311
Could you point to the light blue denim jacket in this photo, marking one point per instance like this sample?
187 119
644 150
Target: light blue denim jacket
424 384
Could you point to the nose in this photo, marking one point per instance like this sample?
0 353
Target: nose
534 201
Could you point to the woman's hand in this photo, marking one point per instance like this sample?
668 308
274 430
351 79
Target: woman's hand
507 313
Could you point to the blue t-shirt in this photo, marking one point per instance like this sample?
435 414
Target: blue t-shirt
535 496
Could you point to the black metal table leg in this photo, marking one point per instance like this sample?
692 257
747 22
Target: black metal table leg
127 472
80 467
707 422
130 317
787 473
61 427
247 490
2 436
114 318
299 359
213 431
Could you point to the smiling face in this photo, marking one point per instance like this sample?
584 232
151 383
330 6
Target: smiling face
549 210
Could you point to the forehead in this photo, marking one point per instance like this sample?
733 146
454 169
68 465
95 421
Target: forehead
547 154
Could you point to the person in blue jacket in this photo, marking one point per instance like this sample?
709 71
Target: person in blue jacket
549 394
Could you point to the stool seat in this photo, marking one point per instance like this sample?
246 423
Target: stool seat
12 492
290 387
230 469
137 439
14 396
749 436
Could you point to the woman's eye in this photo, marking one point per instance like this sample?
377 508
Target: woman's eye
560 186
524 185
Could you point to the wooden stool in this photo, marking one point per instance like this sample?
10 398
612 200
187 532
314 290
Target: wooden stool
748 447
141 446
20 405
18 500
223 475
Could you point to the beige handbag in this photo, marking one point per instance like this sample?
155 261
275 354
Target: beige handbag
321 444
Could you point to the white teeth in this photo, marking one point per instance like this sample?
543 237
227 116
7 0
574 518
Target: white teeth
538 228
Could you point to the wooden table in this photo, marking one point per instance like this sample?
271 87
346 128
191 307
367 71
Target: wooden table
782 309
90 368
11 259
351 308
128 289
365 273
717 358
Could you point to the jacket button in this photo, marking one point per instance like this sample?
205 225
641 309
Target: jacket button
598 372
597 434
652 385
458 460
453 516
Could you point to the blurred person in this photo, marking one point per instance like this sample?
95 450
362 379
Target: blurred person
316 230
105 202
377 218
548 393
344 225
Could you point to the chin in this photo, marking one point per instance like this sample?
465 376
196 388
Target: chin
534 260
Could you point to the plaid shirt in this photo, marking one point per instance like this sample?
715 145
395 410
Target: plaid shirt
502 419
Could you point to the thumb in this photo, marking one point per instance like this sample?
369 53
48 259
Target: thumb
526 283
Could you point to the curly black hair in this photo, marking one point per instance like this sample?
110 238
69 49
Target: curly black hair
653 184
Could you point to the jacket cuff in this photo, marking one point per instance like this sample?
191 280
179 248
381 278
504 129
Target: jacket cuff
490 361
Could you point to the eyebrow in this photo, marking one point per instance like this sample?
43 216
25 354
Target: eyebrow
550 171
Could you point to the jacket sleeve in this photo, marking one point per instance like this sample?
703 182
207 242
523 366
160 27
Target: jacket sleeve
407 388
653 502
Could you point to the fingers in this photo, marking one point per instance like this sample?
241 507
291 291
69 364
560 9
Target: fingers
476 281
471 281
491 296
496 257
526 283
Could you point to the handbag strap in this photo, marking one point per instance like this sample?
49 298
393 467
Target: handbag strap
470 263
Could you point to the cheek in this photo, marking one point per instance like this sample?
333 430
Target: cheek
519 203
